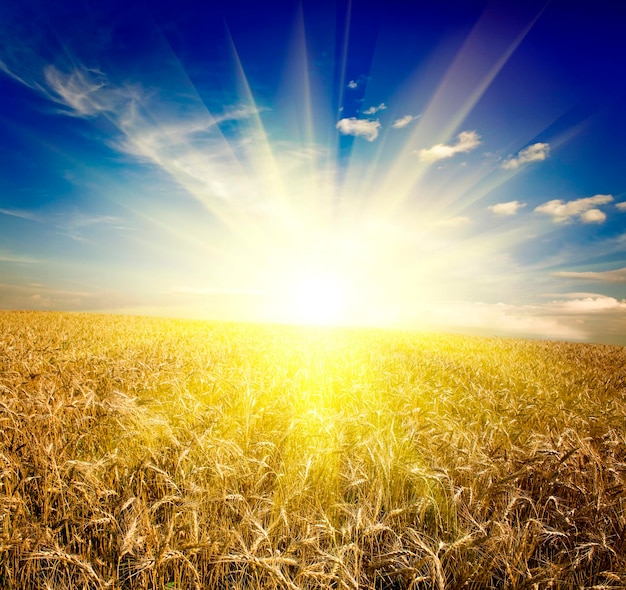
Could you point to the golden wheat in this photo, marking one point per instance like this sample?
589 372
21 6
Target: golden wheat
150 453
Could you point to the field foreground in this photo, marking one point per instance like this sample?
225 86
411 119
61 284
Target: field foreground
148 453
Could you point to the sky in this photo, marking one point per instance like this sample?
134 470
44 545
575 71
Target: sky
449 165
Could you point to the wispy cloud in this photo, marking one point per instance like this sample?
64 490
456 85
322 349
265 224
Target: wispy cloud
403 121
197 156
238 113
6 256
621 206
533 153
78 219
452 222
466 142
373 109
211 164
506 209
583 209
67 223
11 72
76 225
359 128
83 91
608 276
22 214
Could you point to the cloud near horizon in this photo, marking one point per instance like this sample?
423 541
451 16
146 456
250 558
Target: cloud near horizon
591 304
359 128
533 153
506 209
42 297
584 209
588 318
617 275
466 142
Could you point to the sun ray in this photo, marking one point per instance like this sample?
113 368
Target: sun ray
262 158
225 145
468 77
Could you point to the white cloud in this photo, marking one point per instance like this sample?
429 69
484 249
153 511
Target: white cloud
452 222
621 206
533 153
359 128
403 121
593 216
352 84
466 141
506 209
584 209
373 110
608 276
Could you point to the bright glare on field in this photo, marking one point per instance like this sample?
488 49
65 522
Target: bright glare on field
318 299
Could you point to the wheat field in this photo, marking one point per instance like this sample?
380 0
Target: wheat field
151 453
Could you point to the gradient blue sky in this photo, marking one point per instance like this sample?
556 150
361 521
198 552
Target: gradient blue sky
450 165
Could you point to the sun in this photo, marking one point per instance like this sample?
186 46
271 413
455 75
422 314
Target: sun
318 299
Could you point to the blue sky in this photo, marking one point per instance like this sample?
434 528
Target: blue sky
432 165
